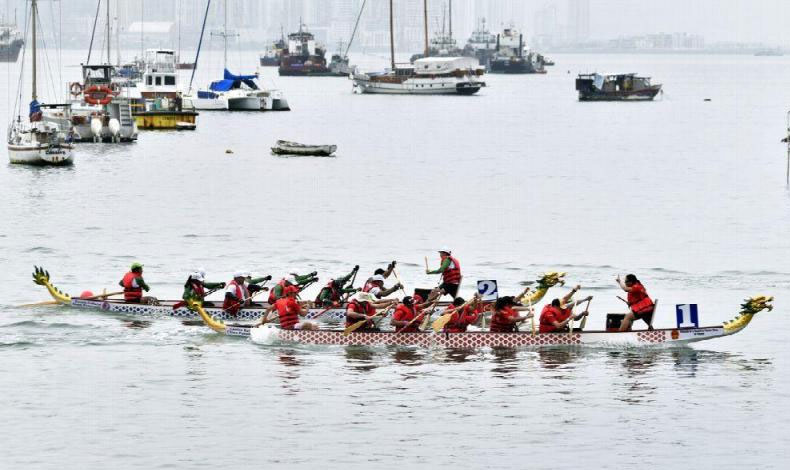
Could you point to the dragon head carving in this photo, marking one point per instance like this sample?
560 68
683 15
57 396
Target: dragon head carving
755 304
41 277
551 279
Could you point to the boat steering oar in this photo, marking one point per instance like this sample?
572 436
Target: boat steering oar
53 302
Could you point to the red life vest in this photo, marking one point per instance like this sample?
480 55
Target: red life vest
500 323
198 289
638 299
288 309
551 314
131 293
272 295
232 306
452 275
369 285
357 307
459 321
404 313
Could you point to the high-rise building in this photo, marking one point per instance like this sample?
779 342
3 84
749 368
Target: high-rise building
578 21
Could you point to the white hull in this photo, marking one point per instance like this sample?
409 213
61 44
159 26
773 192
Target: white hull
418 86
206 104
245 103
41 154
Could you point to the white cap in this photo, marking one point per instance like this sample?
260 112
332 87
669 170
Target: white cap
363 297
238 274
377 278
196 275
445 249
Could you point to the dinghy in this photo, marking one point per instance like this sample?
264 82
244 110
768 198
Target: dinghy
285 147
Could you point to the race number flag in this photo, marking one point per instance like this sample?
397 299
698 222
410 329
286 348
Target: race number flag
687 315
487 290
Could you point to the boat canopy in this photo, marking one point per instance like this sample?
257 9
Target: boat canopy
433 65
231 81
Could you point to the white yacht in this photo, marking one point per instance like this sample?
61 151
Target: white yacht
35 141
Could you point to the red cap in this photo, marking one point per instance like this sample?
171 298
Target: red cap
291 290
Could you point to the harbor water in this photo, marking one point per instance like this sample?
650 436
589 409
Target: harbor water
518 180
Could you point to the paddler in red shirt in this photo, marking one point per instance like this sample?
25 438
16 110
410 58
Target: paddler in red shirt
289 311
505 318
362 306
461 319
639 303
555 316
404 313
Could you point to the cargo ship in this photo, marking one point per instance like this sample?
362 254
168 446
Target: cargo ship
304 56
513 56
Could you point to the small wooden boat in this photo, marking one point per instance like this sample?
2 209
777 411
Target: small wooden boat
269 334
285 147
615 87
254 312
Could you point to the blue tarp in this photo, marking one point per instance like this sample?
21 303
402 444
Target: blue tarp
35 111
231 81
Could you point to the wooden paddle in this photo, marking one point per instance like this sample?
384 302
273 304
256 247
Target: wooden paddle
425 314
53 302
584 320
350 329
443 320
397 277
534 332
570 323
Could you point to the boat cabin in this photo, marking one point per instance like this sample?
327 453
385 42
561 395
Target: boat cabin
100 75
447 66
160 72
611 83
303 43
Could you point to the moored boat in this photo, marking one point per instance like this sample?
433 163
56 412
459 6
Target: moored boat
270 334
285 147
615 87
304 56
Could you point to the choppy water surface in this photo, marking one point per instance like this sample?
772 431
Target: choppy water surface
519 179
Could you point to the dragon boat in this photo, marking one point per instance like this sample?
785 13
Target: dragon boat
269 334
254 312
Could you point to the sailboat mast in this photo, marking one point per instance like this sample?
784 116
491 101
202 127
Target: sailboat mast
34 8
225 36
450 14
425 18
178 56
109 61
392 41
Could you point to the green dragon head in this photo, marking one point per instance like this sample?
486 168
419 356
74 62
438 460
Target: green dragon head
551 279
755 304
41 277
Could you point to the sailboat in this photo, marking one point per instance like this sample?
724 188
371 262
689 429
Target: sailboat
35 141
232 92
427 76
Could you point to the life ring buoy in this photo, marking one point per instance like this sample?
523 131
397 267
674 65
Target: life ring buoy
75 88
98 94
116 88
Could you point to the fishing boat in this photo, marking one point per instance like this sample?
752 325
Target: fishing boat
156 98
285 147
41 277
269 334
35 141
513 56
11 42
304 56
427 76
615 87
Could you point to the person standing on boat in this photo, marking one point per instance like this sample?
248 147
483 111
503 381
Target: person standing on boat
639 303
505 318
461 319
295 280
289 311
133 284
363 306
195 288
450 269
332 293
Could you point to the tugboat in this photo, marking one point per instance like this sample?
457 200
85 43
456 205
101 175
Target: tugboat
10 43
615 87
512 56
271 56
481 44
303 56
